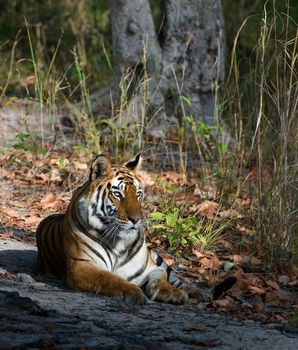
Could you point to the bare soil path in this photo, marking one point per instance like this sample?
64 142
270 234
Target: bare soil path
43 314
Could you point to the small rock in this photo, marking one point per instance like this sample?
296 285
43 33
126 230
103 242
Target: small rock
24 277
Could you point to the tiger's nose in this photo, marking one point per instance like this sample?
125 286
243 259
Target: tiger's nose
134 219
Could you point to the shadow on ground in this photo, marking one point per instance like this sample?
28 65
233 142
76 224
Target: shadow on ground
36 313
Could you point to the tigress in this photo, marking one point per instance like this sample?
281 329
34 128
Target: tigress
99 244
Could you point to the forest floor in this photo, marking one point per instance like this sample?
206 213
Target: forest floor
41 313
46 315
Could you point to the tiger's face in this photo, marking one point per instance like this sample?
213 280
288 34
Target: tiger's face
114 200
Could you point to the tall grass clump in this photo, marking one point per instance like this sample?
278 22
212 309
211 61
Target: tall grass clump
86 125
52 88
263 104
47 83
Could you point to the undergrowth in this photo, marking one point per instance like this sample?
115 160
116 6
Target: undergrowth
264 106
186 231
259 161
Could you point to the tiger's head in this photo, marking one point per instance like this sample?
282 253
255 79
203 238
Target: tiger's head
114 198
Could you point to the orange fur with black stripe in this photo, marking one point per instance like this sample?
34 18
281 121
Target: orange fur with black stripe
99 245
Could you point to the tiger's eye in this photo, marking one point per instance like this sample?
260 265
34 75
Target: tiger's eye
117 195
139 194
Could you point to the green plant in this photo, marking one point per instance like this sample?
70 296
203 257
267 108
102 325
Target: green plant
87 128
212 231
187 232
46 85
129 111
10 70
294 321
180 232
263 102
24 142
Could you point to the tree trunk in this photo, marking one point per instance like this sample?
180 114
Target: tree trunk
170 77
193 49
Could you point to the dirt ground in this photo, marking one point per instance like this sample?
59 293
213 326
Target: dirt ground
43 314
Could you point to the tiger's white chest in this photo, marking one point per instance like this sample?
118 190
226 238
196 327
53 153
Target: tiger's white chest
129 259
133 265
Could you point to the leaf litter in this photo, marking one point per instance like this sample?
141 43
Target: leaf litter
36 186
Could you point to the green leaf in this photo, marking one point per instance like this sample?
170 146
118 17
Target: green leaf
189 119
171 218
159 227
223 148
187 100
61 163
22 136
228 266
201 127
155 216
105 121
294 321
9 100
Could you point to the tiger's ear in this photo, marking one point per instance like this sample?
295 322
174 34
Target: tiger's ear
100 168
135 163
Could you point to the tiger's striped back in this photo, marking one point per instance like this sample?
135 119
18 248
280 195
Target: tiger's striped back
49 237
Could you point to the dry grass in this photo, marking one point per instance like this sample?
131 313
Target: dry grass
260 107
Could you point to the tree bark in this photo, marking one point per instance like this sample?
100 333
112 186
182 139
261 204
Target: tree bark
186 62
193 49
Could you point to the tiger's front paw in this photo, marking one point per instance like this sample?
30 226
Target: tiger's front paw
134 295
169 294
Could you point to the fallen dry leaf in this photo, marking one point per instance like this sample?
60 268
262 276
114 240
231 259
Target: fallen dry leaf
80 166
240 259
146 178
294 282
276 298
273 284
284 279
206 208
230 213
33 220
282 296
56 176
44 177
10 212
257 290
206 262
281 319
53 202
215 263
255 261
222 302
48 198
167 258
270 299
8 276
271 325
40 163
197 253
295 271
258 304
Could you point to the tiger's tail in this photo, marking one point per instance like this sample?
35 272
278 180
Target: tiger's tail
223 286
201 291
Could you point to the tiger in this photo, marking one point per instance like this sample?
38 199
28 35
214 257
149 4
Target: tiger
99 244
